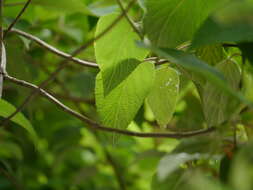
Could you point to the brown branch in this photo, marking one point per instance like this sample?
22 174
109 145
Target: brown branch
53 49
64 63
129 19
17 18
94 125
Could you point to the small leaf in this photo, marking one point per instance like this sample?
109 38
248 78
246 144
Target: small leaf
218 106
6 109
119 107
114 48
163 97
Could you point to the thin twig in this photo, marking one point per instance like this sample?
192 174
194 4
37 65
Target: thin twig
17 18
94 125
62 65
129 19
53 49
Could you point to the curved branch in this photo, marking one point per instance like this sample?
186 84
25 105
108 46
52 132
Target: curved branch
18 17
94 125
53 49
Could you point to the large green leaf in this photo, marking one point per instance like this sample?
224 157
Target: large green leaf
169 23
233 23
119 107
7 109
116 50
198 67
217 105
163 97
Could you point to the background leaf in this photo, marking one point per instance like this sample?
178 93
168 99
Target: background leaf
233 23
171 23
7 109
218 106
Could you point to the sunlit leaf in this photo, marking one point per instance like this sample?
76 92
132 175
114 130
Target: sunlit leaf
163 97
115 51
119 107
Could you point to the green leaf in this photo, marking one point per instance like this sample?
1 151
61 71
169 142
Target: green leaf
212 54
7 109
175 181
63 5
233 23
119 107
172 162
217 105
199 68
163 97
169 23
115 50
